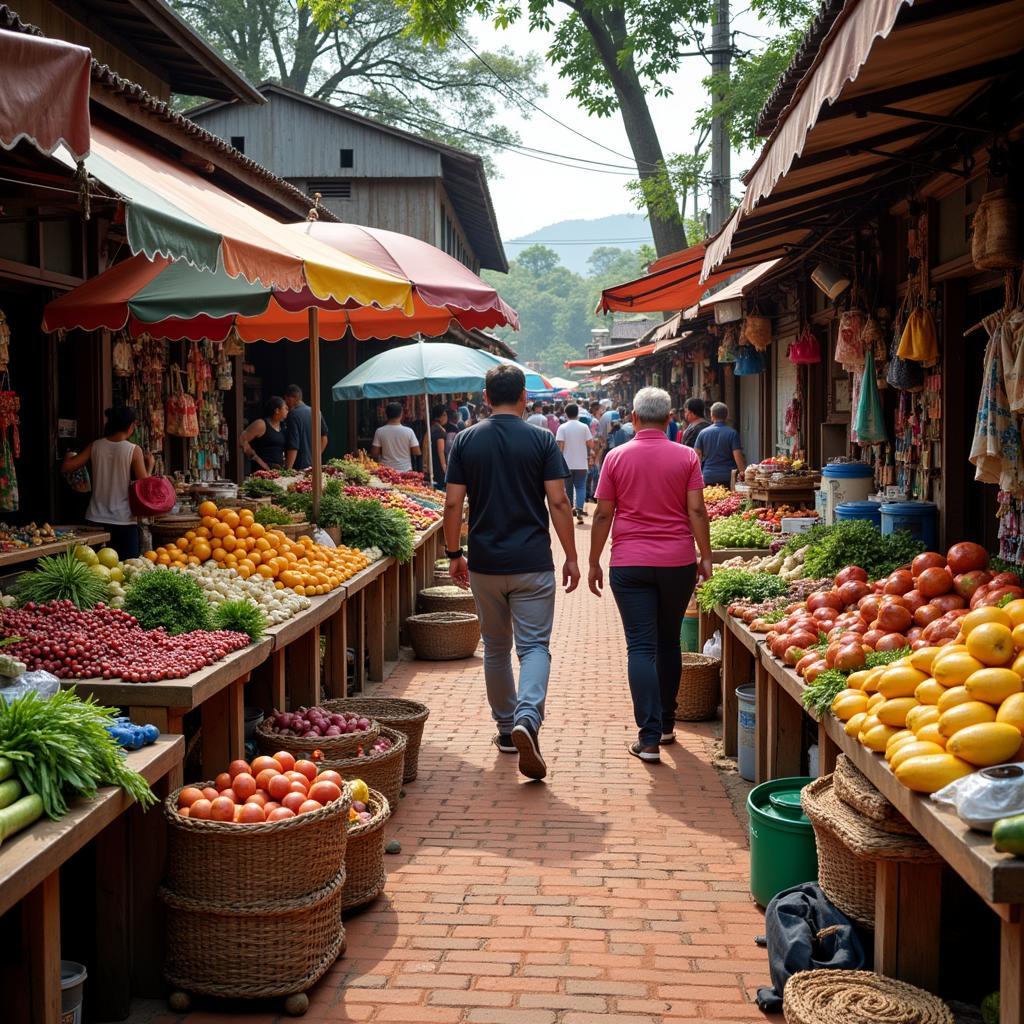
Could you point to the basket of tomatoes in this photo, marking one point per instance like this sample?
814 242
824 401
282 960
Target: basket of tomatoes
365 873
380 765
270 830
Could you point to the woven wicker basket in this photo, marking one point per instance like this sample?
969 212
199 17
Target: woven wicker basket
406 716
699 689
246 865
382 772
859 997
443 636
433 599
167 529
212 946
856 791
365 873
995 240
441 579
270 742
296 530
848 846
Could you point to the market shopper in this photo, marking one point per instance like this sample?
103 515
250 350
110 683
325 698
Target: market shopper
651 500
393 444
264 440
673 427
537 417
299 451
719 448
575 442
438 444
507 468
693 413
114 462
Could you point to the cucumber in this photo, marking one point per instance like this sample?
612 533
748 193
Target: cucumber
1008 835
6 768
9 792
19 815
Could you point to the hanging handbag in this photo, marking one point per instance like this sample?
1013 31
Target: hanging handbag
806 350
919 341
728 346
182 419
757 331
749 362
152 496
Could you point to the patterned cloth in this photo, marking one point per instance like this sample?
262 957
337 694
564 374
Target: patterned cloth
996 449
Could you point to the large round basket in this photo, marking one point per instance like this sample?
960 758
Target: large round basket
859 997
293 531
446 598
856 791
167 529
270 742
365 873
382 771
848 847
246 865
443 636
699 689
406 716
212 947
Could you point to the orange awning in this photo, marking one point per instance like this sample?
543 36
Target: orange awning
617 357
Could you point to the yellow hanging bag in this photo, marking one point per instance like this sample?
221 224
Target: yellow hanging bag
919 342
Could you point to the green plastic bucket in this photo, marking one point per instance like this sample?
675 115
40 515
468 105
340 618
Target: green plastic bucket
782 850
688 635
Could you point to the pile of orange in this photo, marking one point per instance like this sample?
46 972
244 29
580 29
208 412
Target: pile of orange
234 540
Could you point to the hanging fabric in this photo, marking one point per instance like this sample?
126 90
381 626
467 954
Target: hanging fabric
123 357
727 350
182 419
849 346
868 419
5 343
1012 349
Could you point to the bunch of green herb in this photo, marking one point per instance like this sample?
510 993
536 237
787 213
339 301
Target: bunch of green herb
61 578
295 501
62 745
241 616
876 659
352 471
737 532
271 515
818 696
167 598
727 585
366 523
856 542
256 487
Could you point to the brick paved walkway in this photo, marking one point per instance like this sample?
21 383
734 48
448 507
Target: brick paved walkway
614 893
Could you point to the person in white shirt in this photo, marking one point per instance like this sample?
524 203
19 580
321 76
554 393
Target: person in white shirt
575 441
538 419
395 445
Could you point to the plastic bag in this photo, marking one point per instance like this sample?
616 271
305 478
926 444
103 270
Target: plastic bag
713 646
323 538
982 798
42 684
869 421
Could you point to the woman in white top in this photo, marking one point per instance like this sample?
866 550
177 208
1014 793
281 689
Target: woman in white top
114 461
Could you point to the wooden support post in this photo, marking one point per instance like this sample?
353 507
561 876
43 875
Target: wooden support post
785 731
335 681
391 612
908 904
223 718
110 974
278 690
828 751
375 628
41 924
707 623
737 670
147 858
167 720
1011 967
407 592
762 749
302 669
357 637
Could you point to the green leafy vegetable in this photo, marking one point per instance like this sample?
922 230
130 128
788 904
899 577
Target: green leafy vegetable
62 745
366 523
240 617
856 542
350 470
167 598
61 578
818 696
876 659
271 515
257 487
737 532
728 585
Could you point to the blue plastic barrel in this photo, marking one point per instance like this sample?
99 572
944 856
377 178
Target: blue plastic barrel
847 470
921 518
869 510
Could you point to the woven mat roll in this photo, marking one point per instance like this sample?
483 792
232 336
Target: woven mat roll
859 997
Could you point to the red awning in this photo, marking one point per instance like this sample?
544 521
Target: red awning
675 285
616 357
45 94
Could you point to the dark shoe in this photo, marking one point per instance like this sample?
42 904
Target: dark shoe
503 741
649 755
582 512
667 739
531 762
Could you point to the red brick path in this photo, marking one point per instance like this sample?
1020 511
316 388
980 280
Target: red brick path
614 893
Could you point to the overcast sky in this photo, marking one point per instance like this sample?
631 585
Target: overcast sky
531 194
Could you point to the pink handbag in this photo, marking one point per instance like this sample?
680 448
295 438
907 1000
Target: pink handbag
806 350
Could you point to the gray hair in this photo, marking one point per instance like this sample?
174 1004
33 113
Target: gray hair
719 411
652 405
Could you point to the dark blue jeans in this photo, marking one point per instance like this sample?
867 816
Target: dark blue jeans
576 482
652 601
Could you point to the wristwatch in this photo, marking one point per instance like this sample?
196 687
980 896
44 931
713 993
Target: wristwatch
452 555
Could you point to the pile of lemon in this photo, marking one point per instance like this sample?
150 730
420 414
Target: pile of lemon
234 540
944 712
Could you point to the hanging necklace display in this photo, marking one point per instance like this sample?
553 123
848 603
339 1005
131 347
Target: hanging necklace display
5 343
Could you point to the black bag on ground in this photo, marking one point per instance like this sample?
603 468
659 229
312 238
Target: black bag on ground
804 932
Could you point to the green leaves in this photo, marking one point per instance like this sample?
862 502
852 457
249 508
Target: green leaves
240 616
830 548
61 578
167 598
366 523
728 585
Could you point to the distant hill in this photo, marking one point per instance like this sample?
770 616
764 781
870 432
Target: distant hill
574 240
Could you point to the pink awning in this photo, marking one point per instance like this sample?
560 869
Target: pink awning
45 93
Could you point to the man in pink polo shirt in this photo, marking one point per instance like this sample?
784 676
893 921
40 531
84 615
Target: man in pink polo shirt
651 499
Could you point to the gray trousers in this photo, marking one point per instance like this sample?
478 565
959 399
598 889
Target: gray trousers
517 608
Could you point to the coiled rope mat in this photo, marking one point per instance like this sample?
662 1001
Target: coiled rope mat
859 997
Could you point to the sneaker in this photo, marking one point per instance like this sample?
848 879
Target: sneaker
667 739
531 762
582 512
650 755
503 741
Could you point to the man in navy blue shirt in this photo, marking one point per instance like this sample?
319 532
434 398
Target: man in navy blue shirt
719 448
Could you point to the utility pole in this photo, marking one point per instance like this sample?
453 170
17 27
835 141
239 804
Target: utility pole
721 59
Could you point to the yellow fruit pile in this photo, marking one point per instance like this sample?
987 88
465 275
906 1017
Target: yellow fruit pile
942 712
234 540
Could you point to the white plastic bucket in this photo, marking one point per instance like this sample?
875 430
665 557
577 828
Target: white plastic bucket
746 726
72 982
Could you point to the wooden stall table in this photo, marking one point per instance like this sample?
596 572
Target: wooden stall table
908 897
30 863
364 599
739 662
783 494
218 689
719 555
85 535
